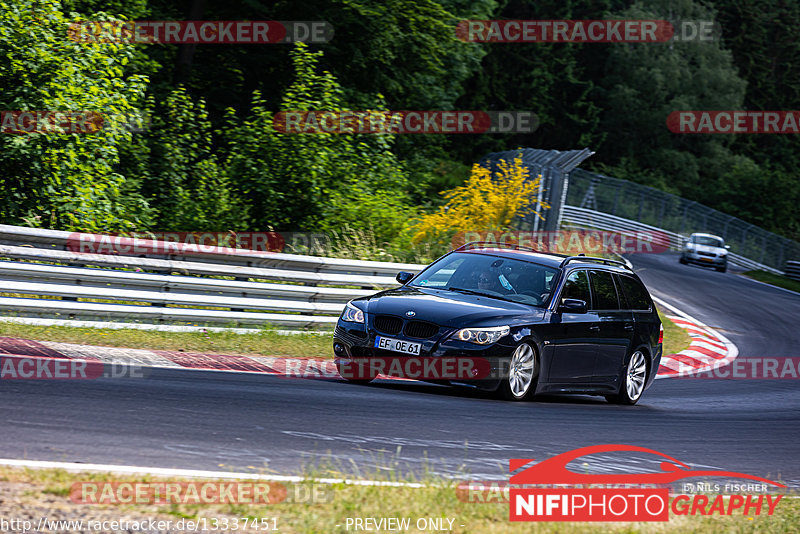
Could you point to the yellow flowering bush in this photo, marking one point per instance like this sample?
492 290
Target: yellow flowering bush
484 203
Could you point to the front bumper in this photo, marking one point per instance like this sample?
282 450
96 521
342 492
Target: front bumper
702 259
352 343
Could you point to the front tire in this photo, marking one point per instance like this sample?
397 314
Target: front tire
519 384
351 375
683 260
722 269
633 379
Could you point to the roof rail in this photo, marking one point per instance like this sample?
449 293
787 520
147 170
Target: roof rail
504 245
604 261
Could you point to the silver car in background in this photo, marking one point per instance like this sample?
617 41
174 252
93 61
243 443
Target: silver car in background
705 249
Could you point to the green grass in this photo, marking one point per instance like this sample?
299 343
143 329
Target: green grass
774 279
50 488
266 342
675 338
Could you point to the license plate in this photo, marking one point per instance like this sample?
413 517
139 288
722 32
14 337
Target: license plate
706 259
397 345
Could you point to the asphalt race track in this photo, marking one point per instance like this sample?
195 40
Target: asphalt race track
217 420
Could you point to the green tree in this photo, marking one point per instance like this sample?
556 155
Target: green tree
183 178
549 79
315 181
644 83
63 180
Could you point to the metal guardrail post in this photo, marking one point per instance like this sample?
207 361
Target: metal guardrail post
793 270
616 198
554 166
557 188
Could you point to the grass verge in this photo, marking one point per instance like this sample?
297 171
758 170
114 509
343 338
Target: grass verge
33 493
774 280
266 342
675 338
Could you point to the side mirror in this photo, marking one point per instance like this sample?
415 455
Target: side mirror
403 277
728 247
573 306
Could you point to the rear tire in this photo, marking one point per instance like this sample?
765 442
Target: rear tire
519 384
632 380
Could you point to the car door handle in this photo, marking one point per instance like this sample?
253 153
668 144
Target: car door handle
629 328
594 328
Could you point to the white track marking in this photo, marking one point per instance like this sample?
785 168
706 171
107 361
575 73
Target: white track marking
115 355
702 336
194 473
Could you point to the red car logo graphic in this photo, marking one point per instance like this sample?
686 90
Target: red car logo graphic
554 470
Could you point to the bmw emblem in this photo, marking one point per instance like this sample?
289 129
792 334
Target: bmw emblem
410 313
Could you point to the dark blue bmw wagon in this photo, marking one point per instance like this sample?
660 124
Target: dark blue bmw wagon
539 322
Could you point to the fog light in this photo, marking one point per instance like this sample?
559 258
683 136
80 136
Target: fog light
338 348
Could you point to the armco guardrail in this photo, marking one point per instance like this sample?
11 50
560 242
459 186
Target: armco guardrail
793 270
179 285
212 287
86 243
647 205
574 217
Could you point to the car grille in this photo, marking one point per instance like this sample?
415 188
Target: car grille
711 254
350 336
420 329
388 324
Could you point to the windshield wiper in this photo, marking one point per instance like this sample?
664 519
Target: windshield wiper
465 290
473 292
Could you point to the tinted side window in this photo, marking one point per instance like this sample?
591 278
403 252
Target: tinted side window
577 287
635 292
603 291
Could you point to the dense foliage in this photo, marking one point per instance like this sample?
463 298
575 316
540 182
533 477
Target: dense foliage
210 158
485 201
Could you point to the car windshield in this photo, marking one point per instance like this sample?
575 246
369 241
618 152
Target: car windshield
707 241
493 276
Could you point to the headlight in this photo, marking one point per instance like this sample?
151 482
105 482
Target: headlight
482 336
352 314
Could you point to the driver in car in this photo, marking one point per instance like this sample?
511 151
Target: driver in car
488 280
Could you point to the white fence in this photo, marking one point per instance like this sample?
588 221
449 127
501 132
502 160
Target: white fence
160 283
793 270
168 283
